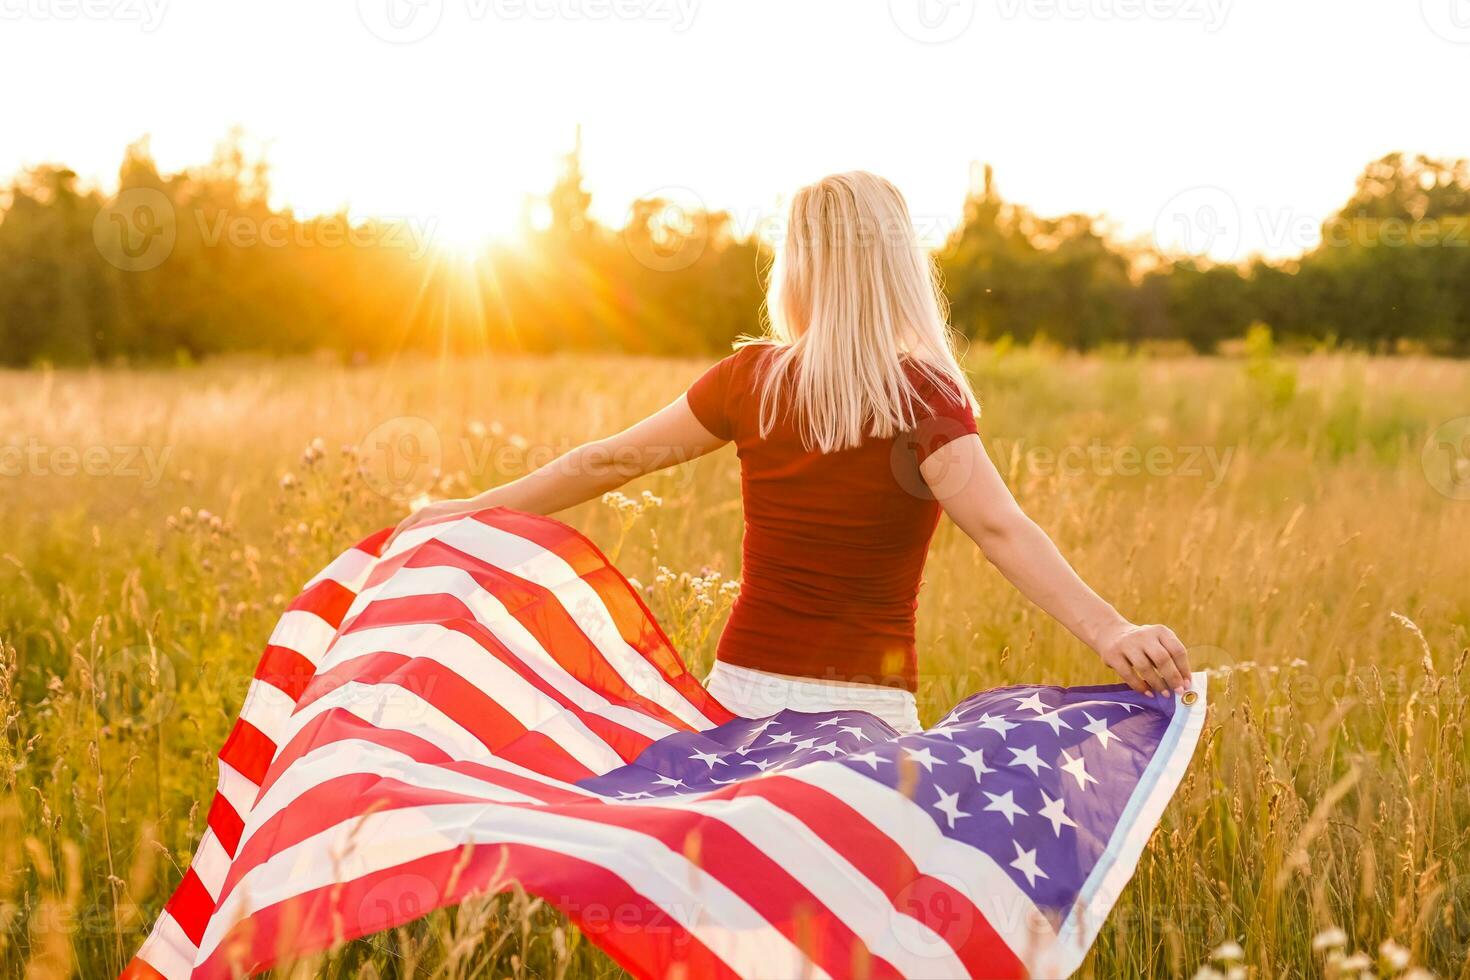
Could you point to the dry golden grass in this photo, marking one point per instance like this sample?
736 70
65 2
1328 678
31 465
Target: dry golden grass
1309 561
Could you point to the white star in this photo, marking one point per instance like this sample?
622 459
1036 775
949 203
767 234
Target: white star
976 761
942 731
1098 727
830 748
998 725
1029 759
870 757
923 757
949 806
761 764
708 758
1033 702
855 730
830 721
805 743
758 729
1054 812
1078 768
783 738
625 795
669 781
1005 804
1054 719
1025 863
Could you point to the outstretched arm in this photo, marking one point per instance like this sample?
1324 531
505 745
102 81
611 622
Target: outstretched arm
670 436
965 482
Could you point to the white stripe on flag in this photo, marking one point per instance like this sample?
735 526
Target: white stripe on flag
304 632
349 570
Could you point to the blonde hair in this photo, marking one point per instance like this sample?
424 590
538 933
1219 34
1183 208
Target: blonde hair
852 295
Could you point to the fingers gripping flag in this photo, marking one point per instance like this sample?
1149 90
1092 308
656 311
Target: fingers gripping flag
490 702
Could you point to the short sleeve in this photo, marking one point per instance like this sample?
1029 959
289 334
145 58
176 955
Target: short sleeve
709 398
944 416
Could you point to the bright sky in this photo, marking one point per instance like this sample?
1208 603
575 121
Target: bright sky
1231 125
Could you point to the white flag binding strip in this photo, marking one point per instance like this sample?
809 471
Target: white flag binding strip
493 703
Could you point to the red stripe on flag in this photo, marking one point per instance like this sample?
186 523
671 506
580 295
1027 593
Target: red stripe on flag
328 599
285 670
191 905
139 969
248 751
225 822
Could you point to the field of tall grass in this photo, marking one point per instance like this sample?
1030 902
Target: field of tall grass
1282 514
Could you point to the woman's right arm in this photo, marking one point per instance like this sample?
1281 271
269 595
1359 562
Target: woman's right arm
963 479
666 438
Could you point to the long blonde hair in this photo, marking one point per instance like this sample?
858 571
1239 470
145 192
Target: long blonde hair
852 295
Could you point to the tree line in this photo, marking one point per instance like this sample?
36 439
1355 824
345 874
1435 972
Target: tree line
197 263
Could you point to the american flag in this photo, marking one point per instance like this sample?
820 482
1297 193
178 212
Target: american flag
491 702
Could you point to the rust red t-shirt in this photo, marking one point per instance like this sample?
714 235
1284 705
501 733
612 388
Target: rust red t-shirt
834 543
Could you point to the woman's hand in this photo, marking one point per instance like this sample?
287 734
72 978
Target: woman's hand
1150 659
429 512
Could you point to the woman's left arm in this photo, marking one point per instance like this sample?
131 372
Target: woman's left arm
1149 658
670 436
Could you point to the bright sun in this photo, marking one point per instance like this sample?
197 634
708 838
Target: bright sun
466 223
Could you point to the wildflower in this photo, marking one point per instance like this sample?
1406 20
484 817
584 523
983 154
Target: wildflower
1228 952
1330 938
637 585
287 481
314 451
1393 956
1208 973
649 500
1355 963
476 429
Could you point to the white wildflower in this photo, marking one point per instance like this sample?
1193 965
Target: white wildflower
1393 956
1228 952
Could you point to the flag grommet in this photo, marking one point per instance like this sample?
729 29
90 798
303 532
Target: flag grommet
1189 697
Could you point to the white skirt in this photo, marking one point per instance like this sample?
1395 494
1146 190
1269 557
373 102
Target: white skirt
758 693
